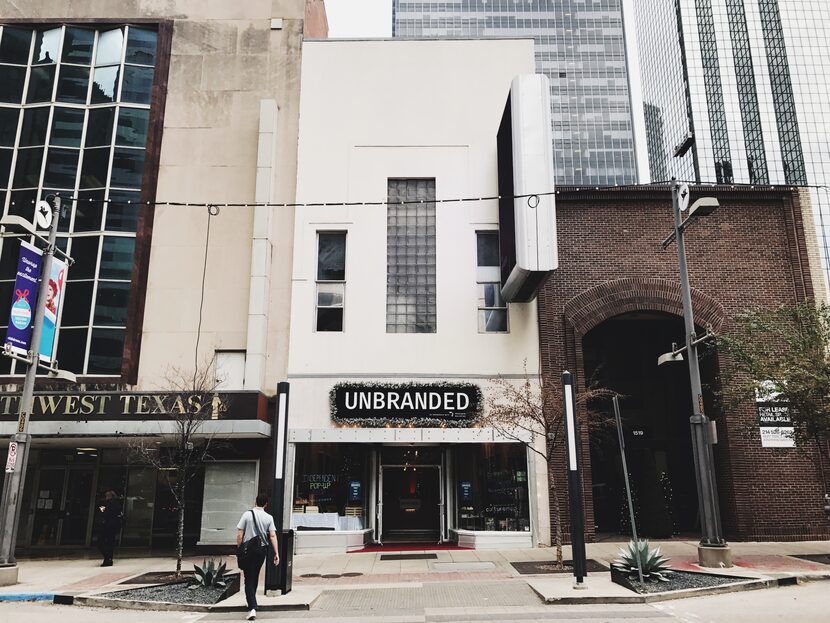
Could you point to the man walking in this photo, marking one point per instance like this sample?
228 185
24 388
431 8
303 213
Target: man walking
252 529
110 526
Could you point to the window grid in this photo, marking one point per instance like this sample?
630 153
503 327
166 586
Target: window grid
329 290
492 308
410 257
96 341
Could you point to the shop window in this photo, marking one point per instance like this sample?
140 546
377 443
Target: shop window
331 281
492 487
492 308
330 487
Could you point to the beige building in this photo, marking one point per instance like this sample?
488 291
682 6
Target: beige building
129 111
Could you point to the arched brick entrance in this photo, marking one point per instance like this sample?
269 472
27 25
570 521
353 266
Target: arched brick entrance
612 298
592 307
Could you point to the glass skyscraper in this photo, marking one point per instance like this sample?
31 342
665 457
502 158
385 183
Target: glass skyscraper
580 46
749 80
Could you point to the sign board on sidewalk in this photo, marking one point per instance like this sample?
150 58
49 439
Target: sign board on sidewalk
11 461
24 299
53 304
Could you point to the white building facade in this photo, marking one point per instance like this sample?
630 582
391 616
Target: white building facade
397 323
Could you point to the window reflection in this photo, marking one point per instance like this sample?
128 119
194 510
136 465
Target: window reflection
110 44
104 85
47 43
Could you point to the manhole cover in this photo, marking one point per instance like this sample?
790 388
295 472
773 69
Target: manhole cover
549 566
352 574
408 556
311 575
156 577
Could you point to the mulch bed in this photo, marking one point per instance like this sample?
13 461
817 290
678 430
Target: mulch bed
176 593
549 566
677 580
157 577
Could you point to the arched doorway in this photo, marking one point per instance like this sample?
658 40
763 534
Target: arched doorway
621 354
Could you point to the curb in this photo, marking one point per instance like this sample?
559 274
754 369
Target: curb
27 597
96 601
748 585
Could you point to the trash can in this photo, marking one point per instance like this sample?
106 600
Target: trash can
286 568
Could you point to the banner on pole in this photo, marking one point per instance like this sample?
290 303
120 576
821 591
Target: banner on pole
24 299
53 306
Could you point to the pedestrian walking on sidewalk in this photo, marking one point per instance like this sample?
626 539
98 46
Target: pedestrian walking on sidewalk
254 532
110 512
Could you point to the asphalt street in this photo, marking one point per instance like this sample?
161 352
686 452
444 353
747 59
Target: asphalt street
808 603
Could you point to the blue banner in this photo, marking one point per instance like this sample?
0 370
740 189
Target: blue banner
24 299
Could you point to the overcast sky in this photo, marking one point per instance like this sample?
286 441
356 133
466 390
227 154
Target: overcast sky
359 18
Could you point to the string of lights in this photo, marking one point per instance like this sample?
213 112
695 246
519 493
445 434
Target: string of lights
330 204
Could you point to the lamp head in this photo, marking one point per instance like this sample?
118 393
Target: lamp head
669 358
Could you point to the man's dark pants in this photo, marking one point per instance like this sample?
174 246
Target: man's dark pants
251 570
106 543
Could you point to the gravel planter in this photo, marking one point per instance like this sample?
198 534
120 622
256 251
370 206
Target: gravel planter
178 592
677 580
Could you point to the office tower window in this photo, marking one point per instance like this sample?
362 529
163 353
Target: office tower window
410 256
783 98
331 281
74 120
492 308
714 92
756 158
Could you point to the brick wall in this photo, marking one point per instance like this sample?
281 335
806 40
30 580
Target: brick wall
751 251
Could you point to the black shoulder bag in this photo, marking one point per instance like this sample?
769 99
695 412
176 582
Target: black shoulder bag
252 547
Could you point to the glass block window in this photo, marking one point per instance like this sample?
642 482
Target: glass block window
492 308
410 256
74 118
331 281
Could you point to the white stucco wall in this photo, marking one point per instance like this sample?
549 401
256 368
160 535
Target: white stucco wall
371 110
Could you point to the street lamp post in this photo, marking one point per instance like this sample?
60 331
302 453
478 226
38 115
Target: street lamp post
713 550
16 474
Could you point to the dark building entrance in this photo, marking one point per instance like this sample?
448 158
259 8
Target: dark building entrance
411 495
621 354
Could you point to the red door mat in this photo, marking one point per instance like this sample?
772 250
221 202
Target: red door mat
408 547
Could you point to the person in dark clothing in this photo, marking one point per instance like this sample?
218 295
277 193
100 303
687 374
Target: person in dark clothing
110 526
253 524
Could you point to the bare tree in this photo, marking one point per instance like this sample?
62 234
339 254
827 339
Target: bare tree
190 402
533 413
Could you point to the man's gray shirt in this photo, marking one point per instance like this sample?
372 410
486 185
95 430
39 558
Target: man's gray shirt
264 521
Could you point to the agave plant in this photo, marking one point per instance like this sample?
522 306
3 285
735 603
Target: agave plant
209 575
654 565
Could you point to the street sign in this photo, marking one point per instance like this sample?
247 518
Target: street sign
43 214
11 461
683 197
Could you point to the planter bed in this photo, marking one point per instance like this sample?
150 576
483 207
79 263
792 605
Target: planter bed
677 581
177 593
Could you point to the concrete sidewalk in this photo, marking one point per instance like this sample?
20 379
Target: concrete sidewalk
316 575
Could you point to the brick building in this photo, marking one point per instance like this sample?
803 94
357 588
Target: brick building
614 305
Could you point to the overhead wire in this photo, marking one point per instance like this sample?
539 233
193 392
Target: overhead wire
327 204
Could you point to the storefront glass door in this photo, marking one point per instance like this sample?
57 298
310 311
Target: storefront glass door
63 506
